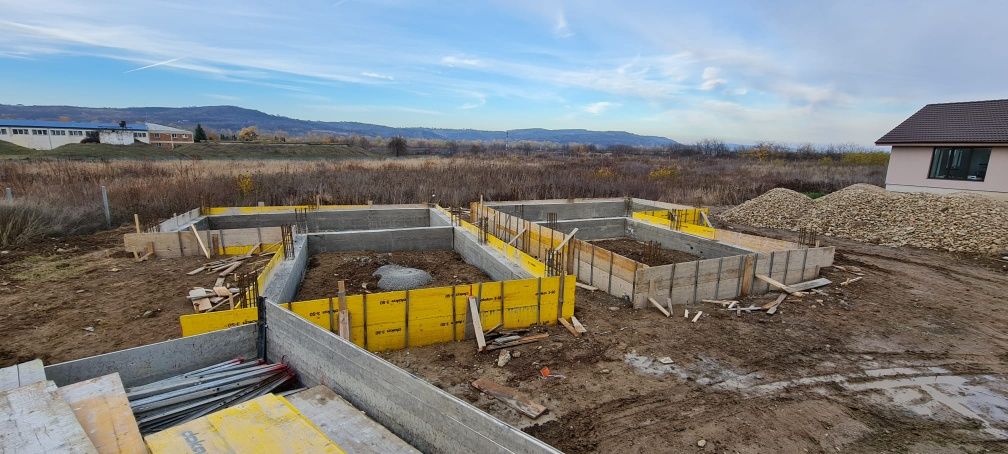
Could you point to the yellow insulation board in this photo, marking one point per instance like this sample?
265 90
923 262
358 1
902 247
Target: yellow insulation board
266 424
431 316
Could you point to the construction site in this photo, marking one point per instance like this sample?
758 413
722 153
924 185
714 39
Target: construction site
570 325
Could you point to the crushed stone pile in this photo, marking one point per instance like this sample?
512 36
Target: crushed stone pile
396 277
959 222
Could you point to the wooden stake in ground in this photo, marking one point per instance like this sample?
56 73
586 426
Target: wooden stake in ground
659 306
510 396
569 327
199 240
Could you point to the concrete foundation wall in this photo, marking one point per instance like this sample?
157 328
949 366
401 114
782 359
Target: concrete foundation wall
350 219
421 414
181 221
486 258
536 211
671 239
385 240
594 229
161 360
283 285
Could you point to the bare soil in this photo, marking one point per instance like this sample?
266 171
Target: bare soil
754 383
52 290
638 250
355 268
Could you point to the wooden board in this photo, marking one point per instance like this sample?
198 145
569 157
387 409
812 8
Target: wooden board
569 327
474 316
18 375
34 420
103 410
510 396
347 426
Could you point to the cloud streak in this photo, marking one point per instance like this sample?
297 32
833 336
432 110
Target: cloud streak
154 65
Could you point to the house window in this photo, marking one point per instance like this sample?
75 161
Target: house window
19 131
959 163
3 131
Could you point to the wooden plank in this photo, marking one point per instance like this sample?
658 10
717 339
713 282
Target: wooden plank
477 324
577 325
775 283
746 276
35 420
522 341
23 374
771 307
516 236
344 424
586 286
199 240
230 269
103 410
344 314
566 239
510 396
569 327
659 307
808 285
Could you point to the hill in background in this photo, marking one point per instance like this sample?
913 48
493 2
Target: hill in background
234 118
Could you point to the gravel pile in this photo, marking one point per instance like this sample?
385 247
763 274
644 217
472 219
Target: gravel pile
960 222
396 277
777 209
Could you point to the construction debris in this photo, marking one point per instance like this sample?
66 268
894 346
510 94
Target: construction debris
519 341
172 401
503 358
853 279
510 396
967 222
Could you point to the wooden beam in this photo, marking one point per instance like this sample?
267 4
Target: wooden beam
577 325
659 306
747 271
569 327
808 285
773 282
199 240
590 288
510 396
706 221
474 315
771 307
565 240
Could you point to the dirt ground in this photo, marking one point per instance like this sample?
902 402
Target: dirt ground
51 291
889 363
355 268
636 250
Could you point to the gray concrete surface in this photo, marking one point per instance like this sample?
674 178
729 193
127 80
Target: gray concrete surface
421 414
161 360
486 258
594 229
384 240
670 239
350 219
536 211
283 284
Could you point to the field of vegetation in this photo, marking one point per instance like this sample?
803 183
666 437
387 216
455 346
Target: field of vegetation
61 196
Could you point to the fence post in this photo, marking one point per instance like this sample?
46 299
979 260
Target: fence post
8 195
108 214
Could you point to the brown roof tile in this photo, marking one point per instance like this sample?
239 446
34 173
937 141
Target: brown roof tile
954 122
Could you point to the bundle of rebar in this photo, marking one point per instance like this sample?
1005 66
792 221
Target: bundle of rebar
175 400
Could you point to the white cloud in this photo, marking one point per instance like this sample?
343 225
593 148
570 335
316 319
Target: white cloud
600 107
711 78
479 102
374 75
560 26
458 60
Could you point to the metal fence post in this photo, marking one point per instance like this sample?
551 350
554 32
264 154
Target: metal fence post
108 214
8 195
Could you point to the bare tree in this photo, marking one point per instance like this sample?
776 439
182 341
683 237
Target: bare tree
397 145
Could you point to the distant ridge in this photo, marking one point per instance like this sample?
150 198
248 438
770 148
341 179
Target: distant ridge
235 118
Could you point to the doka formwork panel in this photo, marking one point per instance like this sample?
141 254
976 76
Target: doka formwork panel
334 220
161 360
486 258
421 414
382 240
671 239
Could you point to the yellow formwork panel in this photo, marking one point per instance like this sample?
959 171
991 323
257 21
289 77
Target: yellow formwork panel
242 250
218 211
266 424
662 218
383 324
193 324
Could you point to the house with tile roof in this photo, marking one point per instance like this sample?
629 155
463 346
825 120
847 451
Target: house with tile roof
951 147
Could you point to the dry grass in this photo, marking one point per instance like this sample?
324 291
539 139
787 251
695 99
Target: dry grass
156 189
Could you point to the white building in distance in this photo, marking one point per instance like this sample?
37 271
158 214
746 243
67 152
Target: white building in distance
47 135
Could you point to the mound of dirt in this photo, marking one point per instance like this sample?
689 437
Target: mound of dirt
960 222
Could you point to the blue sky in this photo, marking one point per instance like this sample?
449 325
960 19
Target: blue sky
803 71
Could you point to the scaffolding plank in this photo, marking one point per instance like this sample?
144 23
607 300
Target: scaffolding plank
103 410
35 420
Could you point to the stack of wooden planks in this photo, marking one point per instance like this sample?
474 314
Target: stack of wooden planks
209 299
